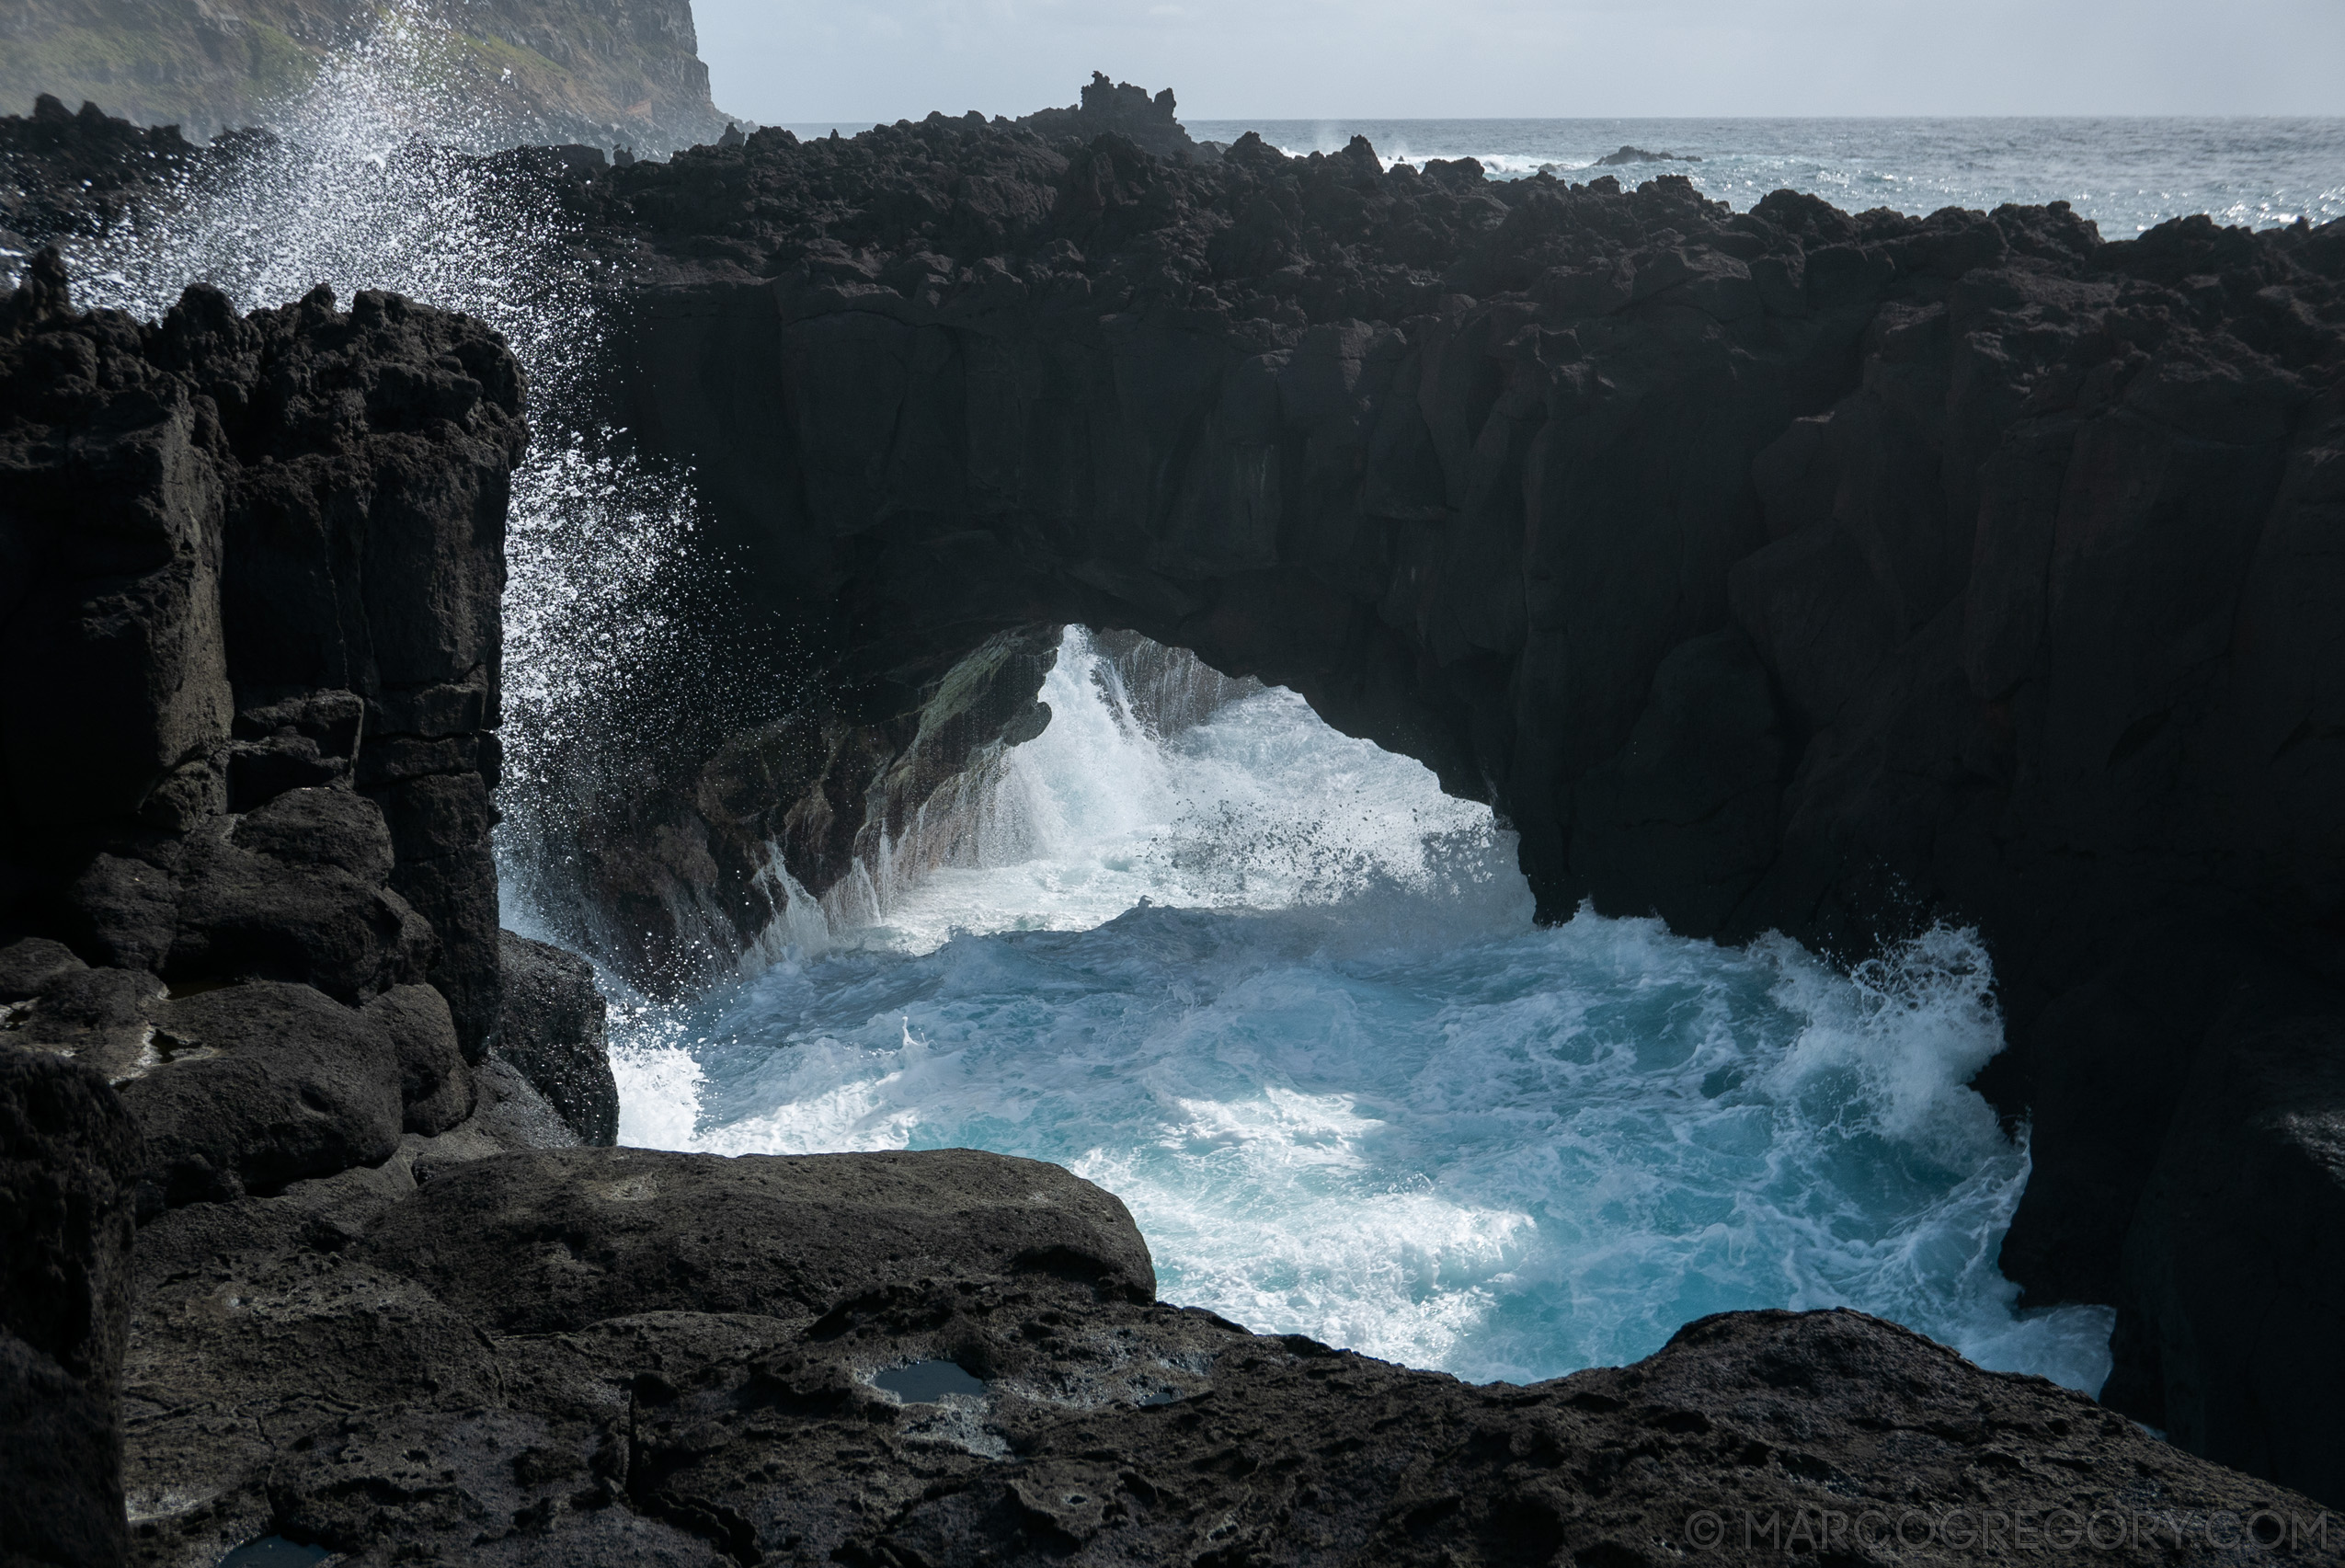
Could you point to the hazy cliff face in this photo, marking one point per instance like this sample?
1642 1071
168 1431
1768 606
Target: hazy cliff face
605 71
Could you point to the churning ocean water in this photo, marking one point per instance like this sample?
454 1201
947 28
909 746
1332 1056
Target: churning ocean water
1272 988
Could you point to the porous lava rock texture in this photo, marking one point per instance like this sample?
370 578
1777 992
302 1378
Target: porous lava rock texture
1777 569
621 1358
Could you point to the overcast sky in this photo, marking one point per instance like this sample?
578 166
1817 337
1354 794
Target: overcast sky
867 61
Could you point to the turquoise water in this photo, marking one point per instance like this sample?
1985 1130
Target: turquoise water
1271 987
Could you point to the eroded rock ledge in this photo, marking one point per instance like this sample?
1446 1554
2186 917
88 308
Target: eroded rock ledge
621 1357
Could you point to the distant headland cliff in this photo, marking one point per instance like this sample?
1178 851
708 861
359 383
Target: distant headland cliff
606 72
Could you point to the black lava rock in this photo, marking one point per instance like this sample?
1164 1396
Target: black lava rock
69 1155
614 1357
552 1030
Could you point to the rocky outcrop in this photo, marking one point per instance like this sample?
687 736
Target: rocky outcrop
1774 569
252 603
249 621
1121 109
553 1030
69 1154
616 1356
64 174
551 71
1634 155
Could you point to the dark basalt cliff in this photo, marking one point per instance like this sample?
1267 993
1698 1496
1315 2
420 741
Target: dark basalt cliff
1777 569
250 571
251 614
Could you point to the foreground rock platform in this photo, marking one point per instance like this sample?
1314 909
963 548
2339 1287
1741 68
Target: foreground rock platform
614 1357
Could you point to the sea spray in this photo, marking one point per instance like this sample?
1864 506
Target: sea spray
363 186
1126 797
1272 988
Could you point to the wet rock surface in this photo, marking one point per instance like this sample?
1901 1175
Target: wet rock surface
553 1029
2234 1256
69 1154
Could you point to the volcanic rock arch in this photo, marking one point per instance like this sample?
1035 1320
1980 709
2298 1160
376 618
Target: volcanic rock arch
1779 569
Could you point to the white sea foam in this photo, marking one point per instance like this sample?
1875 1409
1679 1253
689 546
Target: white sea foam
1264 808
1347 1087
